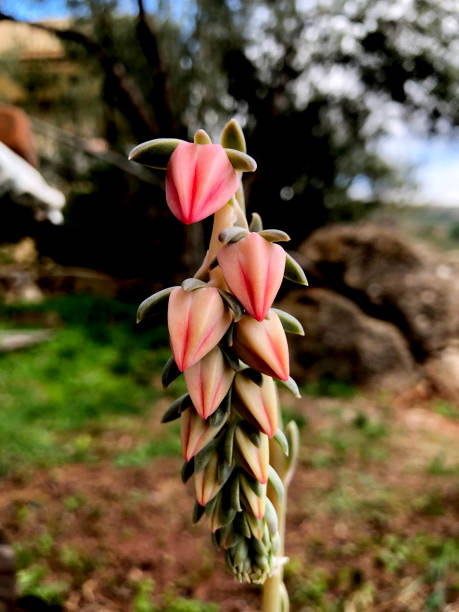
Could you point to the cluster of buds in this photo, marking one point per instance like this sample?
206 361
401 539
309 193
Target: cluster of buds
230 344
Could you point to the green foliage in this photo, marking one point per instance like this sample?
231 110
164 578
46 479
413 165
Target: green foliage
31 581
97 367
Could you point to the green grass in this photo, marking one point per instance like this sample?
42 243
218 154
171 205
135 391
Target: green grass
97 367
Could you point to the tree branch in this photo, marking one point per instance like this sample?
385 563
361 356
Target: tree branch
131 99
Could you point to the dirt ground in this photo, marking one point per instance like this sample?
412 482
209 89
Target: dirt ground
357 503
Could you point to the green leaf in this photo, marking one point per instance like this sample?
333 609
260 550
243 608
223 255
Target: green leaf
276 483
289 322
232 234
235 493
230 356
228 445
241 161
293 437
271 517
202 137
274 235
256 224
170 372
198 511
191 284
187 470
153 303
281 439
254 375
176 408
155 153
233 136
232 303
203 457
220 415
291 385
294 272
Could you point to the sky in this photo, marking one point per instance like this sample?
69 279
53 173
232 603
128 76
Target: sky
434 161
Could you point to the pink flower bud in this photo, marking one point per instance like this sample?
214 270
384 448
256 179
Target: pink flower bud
208 381
259 402
253 269
255 502
263 345
197 321
195 433
255 457
206 482
200 179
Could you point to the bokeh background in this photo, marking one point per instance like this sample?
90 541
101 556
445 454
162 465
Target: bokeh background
350 108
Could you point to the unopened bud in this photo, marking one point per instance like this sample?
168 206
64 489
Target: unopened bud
206 481
197 321
256 457
253 269
208 381
260 402
256 502
263 345
199 181
195 433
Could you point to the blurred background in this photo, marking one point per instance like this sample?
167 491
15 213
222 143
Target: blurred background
350 108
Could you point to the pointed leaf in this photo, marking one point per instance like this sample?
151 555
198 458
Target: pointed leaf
256 224
276 483
294 272
228 445
233 304
222 412
241 161
289 322
235 493
153 303
293 437
274 235
155 153
230 356
254 375
291 385
198 511
233 136
187 470
170 372
281 439
271 517
176 408
202 137
202 458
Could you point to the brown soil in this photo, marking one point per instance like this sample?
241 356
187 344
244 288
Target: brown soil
134 523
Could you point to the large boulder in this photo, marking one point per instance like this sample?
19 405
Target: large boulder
343 342
390 279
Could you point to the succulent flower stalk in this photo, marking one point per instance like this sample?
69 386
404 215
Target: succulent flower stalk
230 345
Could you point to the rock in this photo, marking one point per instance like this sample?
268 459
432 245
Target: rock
343 342
390 279
442 371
